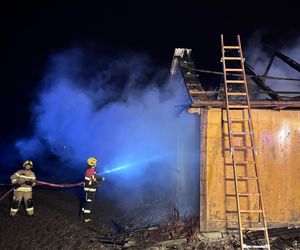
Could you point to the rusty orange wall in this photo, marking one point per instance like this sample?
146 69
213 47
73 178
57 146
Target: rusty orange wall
277 135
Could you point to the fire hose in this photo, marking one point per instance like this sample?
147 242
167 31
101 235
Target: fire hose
45 184
59 185
7 193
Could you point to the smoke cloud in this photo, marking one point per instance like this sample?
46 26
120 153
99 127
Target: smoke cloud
258 56
124 112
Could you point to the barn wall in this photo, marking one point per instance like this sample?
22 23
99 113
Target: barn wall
277 135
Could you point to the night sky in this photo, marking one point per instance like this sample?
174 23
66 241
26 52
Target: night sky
31 31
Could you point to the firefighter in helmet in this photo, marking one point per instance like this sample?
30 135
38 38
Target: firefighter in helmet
92 181
23 181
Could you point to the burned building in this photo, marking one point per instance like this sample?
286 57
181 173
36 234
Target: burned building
249 144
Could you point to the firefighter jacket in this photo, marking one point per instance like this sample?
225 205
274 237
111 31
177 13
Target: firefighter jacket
22 176
91 180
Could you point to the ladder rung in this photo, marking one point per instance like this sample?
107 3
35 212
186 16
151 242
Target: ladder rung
235 81
254 228
238 148
243 147
238 106
256 246
246 178
242 133
242 178
245 162
234 70
231 47
251 211
249 194
237 93
243 194
236 120
232 58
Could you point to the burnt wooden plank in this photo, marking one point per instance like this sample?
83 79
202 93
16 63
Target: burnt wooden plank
253 104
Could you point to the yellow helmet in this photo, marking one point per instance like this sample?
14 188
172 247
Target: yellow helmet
28 162
91 161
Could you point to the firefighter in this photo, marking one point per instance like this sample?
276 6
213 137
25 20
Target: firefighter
23 181
91 182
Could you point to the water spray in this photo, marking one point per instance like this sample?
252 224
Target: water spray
129 165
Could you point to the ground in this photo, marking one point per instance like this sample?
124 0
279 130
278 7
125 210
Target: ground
57 226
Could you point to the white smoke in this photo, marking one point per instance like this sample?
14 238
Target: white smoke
258 56
120 116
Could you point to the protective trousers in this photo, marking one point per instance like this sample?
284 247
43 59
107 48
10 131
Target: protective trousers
17 199
88 205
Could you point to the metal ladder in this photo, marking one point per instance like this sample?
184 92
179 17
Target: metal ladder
237 103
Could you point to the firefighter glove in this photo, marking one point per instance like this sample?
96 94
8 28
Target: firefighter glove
16 185
29 183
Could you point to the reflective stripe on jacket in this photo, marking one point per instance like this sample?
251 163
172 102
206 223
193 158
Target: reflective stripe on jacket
87 189
24 189
21 177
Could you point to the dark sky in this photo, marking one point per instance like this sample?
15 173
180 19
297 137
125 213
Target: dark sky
33 30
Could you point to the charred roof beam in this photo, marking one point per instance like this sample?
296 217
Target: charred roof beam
182 60
260 83
285 59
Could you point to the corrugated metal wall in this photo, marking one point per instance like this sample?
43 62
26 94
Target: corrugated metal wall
277 135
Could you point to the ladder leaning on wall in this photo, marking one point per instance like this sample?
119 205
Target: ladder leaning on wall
238 115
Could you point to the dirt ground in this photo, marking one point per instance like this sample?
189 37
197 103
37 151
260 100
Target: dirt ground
57 226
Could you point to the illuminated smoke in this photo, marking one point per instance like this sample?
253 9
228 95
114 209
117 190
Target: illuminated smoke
258 56
121 112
